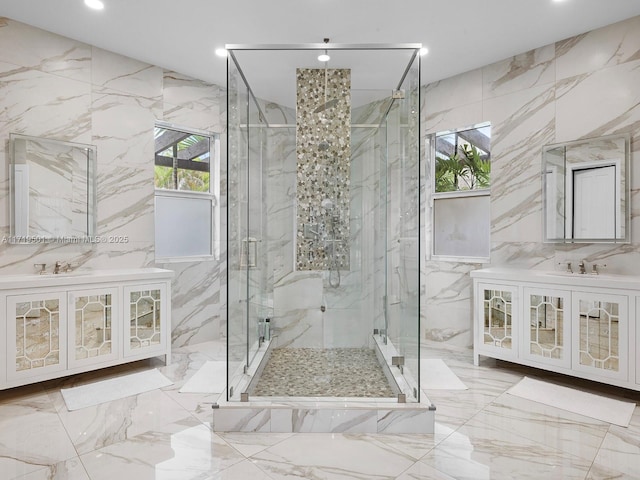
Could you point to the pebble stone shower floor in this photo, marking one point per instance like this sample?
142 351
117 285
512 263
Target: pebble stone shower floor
316 372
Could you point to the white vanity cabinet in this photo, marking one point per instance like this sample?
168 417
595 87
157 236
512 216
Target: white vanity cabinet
580 325
58 325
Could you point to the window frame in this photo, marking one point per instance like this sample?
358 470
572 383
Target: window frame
213 195
435 196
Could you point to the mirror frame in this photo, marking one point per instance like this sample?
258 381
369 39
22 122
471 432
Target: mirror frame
91 221
623 182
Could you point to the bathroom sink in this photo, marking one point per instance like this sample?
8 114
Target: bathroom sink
79 273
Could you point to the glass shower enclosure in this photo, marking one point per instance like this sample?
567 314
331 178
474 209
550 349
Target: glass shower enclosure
323 222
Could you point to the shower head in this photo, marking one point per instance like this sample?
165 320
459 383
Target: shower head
323 145
327 204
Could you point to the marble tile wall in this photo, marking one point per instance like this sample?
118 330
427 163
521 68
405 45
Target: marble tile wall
582 87
55 87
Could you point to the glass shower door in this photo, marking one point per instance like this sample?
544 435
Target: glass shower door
403 231
238 229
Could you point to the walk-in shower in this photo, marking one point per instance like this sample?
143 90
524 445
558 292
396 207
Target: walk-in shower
323 224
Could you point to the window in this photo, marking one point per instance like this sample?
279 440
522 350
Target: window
460 194
187 213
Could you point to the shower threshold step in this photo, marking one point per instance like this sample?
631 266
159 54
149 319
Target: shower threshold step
339 415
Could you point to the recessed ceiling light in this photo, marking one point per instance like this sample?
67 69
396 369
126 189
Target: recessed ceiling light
424 51
95 4
221 52
324 57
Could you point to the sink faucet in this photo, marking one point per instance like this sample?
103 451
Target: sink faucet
582 267
61 267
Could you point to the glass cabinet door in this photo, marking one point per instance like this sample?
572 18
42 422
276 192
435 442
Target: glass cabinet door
145 307
498 305
93 326
36 334
548 327
601 323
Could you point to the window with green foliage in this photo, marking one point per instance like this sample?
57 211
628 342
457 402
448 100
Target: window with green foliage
187 214
182 160
460 193
462 160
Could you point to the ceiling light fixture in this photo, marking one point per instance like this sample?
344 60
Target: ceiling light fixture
95 4
324 57
222 52
423 51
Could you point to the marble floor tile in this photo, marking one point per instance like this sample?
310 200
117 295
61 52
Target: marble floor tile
619 454
179 451
465 457
32 436
71 469
558 429
331 456
240 471
95 427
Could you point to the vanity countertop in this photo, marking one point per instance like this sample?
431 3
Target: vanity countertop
83 277
605 280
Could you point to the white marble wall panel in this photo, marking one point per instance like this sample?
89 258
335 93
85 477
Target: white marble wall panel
453 118
113 71
125 192
335 420
241 420
611 92
521 123
37 49
196 302
405 421
298 320
346 328
37 103
191 94
280 201
601 48
446 314
527 70
463 89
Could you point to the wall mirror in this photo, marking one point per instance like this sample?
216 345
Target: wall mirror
52 190
586 190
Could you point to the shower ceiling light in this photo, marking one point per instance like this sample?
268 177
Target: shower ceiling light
324 57
424 51
221 52
95 4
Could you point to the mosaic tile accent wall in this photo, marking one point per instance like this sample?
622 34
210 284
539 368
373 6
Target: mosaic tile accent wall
323 151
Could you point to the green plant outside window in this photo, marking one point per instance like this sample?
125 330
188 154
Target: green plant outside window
463 161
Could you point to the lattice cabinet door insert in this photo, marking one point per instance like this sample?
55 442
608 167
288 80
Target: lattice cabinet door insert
497 307
548 326
601 323
36 334
145 307
94 321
